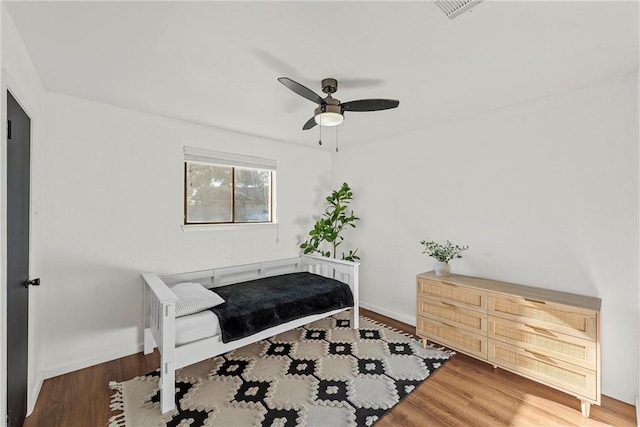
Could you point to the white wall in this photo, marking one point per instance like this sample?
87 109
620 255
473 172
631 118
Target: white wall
545 193
20 77
114 207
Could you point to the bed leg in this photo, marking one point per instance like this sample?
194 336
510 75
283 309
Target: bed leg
167 387
168 358
355 318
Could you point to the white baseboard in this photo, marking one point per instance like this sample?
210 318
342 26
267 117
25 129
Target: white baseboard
31 402
400 317
77 364
622 392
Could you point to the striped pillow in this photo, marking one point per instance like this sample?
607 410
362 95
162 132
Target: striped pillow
194 298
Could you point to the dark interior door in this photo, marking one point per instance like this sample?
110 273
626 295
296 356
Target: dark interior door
18 166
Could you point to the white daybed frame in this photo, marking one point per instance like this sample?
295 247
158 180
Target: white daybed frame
159 311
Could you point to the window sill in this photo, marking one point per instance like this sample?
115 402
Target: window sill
227 227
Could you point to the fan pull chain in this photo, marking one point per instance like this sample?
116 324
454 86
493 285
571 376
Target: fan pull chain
337 139
320 126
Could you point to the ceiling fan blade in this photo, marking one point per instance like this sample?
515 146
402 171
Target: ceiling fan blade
370 104
310 123
301 90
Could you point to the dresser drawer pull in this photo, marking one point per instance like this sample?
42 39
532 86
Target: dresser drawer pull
537 329
450 284
534 300
447 304
541 356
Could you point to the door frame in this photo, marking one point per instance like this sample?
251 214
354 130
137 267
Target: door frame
35 375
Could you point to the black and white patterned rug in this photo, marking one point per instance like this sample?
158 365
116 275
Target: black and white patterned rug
323 374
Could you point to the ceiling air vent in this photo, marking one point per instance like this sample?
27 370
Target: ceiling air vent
453 8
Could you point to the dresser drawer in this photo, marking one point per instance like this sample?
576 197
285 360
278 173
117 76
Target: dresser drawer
579 351
565 376
450 336
453 315
573 321
473 299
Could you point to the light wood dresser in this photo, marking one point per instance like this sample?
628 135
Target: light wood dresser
548 336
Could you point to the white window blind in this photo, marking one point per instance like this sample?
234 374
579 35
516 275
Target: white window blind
228 159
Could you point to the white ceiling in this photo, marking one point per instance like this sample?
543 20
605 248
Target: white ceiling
217 62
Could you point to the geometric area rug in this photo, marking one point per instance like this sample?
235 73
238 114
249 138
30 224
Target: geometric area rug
322 374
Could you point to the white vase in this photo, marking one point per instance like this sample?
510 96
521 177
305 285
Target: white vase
442 268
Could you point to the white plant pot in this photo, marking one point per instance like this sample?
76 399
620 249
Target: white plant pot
442 268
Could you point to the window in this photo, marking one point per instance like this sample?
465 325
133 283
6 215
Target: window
225 188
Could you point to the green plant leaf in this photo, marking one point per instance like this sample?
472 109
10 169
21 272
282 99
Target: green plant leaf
443 252
327 229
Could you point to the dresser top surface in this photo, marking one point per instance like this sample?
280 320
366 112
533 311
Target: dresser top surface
549 295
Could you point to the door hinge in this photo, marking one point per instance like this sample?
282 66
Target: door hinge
8 129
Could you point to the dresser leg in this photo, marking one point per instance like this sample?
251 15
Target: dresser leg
424 343
586 408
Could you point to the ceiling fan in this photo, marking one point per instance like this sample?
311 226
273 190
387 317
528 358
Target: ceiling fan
330 111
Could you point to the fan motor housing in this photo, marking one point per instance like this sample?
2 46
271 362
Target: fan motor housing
327 108
329 85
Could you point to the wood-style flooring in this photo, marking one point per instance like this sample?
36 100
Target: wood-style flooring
463 392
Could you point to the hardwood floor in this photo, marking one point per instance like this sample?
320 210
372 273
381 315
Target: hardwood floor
468 392
82 398
463 392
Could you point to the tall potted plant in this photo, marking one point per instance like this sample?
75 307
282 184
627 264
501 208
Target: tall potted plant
327 230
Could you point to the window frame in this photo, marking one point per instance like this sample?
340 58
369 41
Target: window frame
233 161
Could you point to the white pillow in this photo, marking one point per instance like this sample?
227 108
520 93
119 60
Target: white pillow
194 298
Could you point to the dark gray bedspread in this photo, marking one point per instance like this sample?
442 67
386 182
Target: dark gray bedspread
260 304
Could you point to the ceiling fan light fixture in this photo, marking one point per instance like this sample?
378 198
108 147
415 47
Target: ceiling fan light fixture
330 111
329 119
